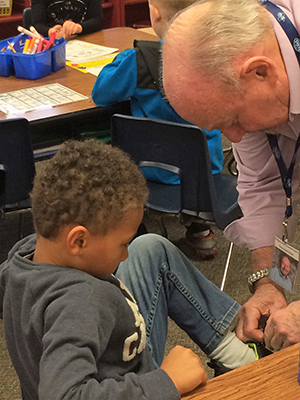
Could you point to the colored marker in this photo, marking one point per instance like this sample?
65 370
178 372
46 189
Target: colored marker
31 44
35 46
47 46
52 37
40 46
27 41
11 47
33 30
27 32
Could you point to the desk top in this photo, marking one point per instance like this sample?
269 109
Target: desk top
121 38
274 377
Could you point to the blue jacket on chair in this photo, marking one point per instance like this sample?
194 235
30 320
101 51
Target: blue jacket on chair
134 74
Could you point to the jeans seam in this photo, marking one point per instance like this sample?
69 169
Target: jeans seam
154 298
218 327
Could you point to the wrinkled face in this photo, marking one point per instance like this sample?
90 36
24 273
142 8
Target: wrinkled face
201 98
205 103
285 266
105 252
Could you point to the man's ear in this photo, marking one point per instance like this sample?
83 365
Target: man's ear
259 68
155 13
77 239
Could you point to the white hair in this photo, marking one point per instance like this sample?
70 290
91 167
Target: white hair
227 30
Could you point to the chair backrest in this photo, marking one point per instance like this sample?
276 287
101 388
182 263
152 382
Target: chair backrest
179 145
27 18
16 156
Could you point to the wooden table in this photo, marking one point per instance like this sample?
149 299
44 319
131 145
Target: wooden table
121 38
274 377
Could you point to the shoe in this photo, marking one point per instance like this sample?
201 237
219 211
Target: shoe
218 367
260 351
205 246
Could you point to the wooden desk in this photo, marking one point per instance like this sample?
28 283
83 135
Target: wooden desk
274 377
121 38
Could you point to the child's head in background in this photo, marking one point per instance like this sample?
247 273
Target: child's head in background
162 11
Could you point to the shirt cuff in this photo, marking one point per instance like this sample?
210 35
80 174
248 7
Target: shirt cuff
258 231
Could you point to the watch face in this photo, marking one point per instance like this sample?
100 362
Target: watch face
60 11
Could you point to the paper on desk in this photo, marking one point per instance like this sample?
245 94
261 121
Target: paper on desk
20 101
78 51
93 67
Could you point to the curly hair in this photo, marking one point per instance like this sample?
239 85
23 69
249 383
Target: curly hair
86 183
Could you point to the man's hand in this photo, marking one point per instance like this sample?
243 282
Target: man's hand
283 327
265 301
71 28
184 368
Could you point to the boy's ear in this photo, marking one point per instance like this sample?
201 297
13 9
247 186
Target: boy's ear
155 13
77 239
259 68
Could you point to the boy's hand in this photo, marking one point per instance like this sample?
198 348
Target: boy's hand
71 28
57 29
184 368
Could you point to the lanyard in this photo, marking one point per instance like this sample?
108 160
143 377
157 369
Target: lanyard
286 25
286 173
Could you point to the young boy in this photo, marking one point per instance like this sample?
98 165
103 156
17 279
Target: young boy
74 330
135 74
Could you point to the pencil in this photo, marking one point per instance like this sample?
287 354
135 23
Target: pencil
11 47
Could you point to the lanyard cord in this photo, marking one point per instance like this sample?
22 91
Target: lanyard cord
286 25
286 173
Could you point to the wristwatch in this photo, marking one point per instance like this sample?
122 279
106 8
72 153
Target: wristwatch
256 276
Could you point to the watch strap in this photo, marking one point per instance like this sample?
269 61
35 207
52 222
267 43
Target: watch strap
256 276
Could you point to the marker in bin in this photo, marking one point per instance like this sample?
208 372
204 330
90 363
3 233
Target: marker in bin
27 32
33 30
31 46
26 45
51 41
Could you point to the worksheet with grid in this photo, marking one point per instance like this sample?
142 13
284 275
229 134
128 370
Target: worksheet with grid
54 94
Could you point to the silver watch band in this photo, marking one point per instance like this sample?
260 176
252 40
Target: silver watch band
256 276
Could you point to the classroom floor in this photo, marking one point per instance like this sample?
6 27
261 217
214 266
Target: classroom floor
236 286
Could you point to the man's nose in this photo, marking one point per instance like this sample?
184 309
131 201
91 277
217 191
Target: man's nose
234 134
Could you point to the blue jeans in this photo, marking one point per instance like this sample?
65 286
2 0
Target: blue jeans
165 283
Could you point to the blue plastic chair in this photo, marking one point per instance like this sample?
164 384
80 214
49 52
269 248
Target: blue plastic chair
181 149
27 18
18 166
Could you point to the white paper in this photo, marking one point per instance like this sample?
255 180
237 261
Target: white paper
78 51
37 97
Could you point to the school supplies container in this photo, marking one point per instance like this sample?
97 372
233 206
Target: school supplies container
5 7
30 66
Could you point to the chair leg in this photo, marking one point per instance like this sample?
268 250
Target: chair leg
226 266
21 225
163 228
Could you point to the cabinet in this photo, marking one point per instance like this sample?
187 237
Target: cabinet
9 24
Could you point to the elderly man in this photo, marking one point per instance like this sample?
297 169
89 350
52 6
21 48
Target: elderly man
228 64
281 274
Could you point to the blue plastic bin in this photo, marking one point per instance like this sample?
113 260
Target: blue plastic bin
6 60
59 54
35 66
